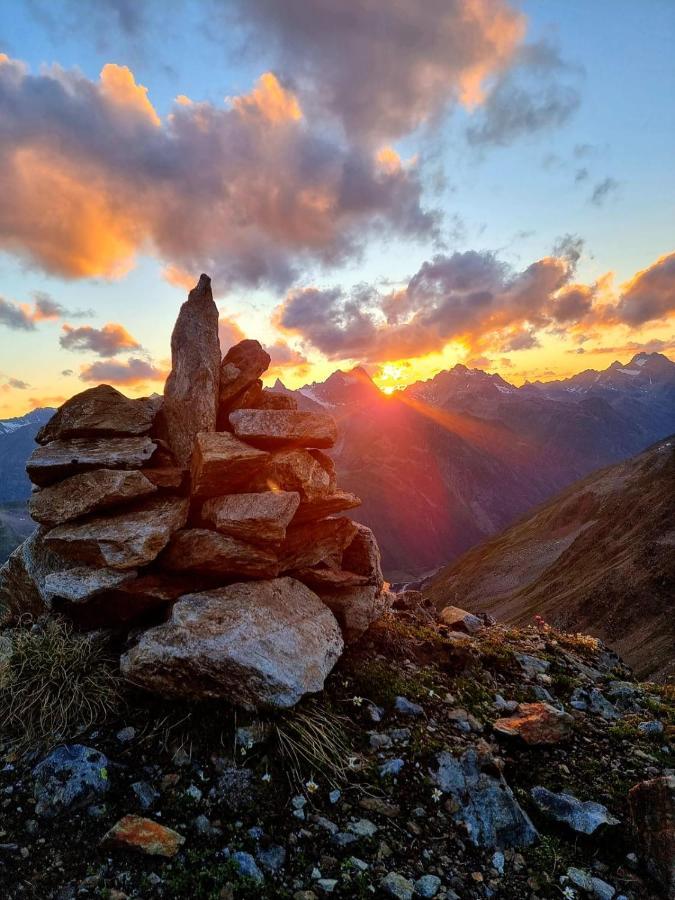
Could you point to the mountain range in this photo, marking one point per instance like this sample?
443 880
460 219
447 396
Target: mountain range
446 463
598 558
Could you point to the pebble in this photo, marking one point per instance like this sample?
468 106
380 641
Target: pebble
126 734
407 707
247 866
428 885
362 828
391 767
395 885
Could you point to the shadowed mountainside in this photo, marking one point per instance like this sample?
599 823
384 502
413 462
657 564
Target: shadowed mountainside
600 557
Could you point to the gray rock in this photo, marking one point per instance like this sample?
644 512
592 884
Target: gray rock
222 464
651 728
282 428
584 817
460 620
70 777
100 411
124 540
343 839
594 702
407 707
85 493
81 583
219 644
247 866
362 828
233 788
241 368
484 803
146 795
395 885
532 665
257 518
191 391
272 858
355 608
125 735
23 576
428 886
63 459
202 551
391 768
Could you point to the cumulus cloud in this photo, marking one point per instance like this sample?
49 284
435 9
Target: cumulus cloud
384 69
527 98
465 296
132 372
229 333
249 191
602 190
24 316
15 317
649 295
109 340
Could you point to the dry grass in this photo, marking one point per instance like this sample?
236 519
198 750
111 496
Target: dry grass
56 684
311 740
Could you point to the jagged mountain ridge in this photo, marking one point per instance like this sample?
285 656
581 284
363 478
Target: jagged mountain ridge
599 557
448 462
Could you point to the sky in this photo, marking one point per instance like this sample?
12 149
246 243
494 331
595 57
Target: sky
400 185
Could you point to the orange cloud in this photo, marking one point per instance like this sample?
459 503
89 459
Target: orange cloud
134 371
270 100
119 87
107 341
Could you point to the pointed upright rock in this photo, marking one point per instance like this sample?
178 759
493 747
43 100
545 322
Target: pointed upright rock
191 391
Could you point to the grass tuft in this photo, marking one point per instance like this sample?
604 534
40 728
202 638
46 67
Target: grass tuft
313 739
54 684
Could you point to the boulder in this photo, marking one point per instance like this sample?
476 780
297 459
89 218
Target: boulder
327 576
100 412
356 608
482 801
536 723
257 644
362 556
309 544
325 505
22 578
651 806
86 493
200 550
583 817
143 836
170 477
242 366
306 471
249 398
460 620
221 463
61 459
257 518
276 428
72 776
121 540
191 390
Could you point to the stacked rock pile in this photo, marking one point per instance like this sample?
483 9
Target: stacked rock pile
203 525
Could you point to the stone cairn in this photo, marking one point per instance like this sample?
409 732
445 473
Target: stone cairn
201 526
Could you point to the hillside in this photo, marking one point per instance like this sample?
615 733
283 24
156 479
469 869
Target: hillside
598 558
17 442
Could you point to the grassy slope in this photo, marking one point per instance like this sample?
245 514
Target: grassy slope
599 558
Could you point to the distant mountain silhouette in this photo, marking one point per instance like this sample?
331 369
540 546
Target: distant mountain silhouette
17 442
598 558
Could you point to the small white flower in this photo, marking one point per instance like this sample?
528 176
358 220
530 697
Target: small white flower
243 751
432 693
267 777
569 893
436 795
311 786
357 701
353 762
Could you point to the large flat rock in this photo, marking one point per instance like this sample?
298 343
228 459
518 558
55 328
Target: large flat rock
222 463
100 412
82 494
191 391
61 459
81 583
124 540
208 552
257 518
258 644
273 428
312 543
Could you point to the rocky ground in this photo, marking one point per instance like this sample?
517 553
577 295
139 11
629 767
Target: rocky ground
411 775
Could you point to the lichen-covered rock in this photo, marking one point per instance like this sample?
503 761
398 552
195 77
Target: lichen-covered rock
536 723
22 578
82 494
259 643
100 412
125 540
260 518
211 553
72 776
584 817
191 391
482 802
61 459
143 836
275 428
652 812
222 463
